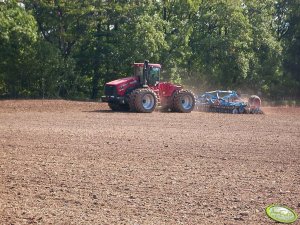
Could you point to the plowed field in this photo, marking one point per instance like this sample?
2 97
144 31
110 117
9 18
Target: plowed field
65 162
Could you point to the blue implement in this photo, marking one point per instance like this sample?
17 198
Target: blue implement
224 102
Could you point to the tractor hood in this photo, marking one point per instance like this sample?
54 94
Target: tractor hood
120 86
122 81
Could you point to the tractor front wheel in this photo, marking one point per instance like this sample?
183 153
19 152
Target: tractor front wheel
184 101
131 101
143 100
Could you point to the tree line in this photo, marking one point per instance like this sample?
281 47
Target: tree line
70 49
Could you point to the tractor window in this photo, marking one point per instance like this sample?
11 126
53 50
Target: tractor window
138 71
154 75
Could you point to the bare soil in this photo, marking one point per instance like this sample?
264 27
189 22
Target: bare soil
65 162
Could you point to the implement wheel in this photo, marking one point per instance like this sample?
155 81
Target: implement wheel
255 104
184 101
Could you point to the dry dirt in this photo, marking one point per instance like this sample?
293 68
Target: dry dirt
65 162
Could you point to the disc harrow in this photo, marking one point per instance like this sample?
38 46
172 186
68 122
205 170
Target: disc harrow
227 102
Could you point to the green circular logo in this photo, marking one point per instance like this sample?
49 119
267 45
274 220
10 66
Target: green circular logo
281 213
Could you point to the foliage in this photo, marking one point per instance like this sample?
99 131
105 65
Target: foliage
221 44
17 38
70 49
291 55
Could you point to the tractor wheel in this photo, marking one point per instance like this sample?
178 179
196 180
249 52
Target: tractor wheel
145 100
184 101
118 107
131 102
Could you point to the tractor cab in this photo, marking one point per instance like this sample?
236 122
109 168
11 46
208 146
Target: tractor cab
149 74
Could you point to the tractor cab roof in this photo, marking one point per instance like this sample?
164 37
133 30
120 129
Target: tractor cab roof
150 64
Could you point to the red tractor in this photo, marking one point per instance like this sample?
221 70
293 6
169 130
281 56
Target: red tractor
143 92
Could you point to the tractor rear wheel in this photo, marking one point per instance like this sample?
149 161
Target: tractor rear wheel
118 107
144 100
184 101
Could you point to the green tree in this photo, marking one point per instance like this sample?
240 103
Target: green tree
178 31
62 25
221 44
266 66
122 33
291 41
61 22
17 39
53 75
63 48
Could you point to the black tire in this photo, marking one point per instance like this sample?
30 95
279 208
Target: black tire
131 102
118 107
143 100
235 111
246 111
184 101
